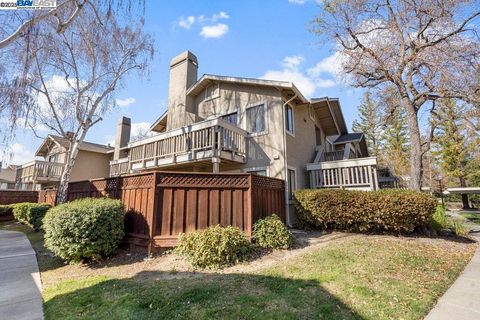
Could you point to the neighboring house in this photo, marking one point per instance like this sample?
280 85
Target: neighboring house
92 162
230 124
7 177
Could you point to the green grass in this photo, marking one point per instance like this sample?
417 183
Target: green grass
366 278
472 216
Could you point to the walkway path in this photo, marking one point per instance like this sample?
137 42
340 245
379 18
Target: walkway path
20 294
462 300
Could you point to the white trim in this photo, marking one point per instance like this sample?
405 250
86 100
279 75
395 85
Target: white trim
370 161
255 169
265 112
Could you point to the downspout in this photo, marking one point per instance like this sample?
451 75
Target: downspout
285 155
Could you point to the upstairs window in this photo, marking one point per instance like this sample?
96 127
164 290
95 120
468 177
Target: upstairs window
212 91
231 117
256 119
289 126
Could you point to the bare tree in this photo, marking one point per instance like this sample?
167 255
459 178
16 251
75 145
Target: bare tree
21 30
424 49
74 74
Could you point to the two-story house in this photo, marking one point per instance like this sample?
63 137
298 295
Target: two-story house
7 177
92 162
231 124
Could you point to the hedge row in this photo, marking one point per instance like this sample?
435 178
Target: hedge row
393 210
31 213
6 210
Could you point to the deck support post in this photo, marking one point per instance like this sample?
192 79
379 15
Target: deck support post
216 164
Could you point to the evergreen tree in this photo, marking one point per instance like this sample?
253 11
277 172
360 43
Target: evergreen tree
451 146
397 144
370 123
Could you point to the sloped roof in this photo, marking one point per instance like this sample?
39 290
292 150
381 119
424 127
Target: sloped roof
207 79
63 143
349 137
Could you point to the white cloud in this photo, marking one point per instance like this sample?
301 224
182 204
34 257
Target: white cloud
211 28
18 154
293 62
329 65
125 102
297 1
220 15
304 84
216 31
187 22
322 75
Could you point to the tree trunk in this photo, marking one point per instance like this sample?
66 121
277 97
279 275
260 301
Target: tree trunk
466 205
415 146
62 193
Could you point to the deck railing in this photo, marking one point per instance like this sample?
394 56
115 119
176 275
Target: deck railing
206 139
358 173
36 169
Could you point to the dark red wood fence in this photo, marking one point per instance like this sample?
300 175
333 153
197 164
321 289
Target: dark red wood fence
161 205
17 196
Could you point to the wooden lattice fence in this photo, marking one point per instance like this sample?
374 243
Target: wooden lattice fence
162 205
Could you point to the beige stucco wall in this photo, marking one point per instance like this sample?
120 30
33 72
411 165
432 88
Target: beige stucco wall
301 146
264 150
90 165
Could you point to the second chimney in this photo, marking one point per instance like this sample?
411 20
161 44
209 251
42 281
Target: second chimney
122 136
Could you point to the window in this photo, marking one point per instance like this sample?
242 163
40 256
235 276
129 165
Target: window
256 119
212 91
231 117
291 183
261 171
53 157
289 118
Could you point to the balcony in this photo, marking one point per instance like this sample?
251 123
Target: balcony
39 171
358 174
202 143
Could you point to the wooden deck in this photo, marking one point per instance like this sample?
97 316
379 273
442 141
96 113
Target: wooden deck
207 142
39 171
358 174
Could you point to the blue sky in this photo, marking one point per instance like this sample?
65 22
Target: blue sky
248 38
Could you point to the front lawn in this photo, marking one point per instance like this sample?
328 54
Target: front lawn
358 277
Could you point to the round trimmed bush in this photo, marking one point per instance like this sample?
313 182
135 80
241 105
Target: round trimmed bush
214 247
272 233
84 229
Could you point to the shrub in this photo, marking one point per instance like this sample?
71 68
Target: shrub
441 223
84 229
272 233
31 213
6 210
214 247
391 210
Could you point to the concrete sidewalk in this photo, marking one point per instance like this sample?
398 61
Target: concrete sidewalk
462 299
20 286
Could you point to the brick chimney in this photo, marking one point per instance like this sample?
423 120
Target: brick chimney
122 136
183 74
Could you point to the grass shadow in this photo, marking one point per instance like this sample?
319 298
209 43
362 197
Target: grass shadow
214 296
